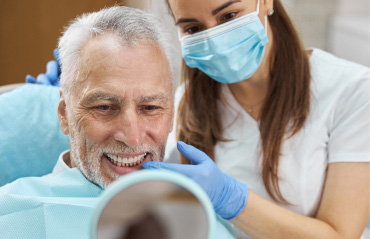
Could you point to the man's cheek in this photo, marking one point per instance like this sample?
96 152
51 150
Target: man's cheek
93 129
86 118
161 130
163 122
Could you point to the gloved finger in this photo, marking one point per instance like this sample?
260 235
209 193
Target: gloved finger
52 71
180 168
195 155
30 79
56 54
43 80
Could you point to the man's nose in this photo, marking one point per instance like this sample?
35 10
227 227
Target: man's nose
127 128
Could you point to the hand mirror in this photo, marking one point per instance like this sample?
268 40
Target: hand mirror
156 204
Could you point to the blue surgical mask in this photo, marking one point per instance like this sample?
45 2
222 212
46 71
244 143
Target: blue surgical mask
230 52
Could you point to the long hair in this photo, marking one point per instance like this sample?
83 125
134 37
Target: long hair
283 113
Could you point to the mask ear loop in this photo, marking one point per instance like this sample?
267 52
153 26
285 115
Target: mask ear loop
258 11
266 24
179 34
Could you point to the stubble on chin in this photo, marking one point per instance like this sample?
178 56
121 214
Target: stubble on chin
87 157
88 161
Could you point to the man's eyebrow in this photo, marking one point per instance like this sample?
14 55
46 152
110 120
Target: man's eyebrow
223 6
101 96
214 12
150 98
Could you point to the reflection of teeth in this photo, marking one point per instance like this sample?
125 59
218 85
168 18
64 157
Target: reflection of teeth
121 162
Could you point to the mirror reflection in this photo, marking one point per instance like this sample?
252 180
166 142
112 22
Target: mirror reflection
153 209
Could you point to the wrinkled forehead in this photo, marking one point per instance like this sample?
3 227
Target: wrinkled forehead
106 65
111 48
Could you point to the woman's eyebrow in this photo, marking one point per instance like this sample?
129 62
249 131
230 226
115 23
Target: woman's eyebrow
182 20
223 6
214 12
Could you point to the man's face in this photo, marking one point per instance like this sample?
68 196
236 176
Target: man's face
121 111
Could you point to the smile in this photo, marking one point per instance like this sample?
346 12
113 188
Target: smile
126 162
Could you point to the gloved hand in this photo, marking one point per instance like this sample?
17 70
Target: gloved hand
51 77
227 195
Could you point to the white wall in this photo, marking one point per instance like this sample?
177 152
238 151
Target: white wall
338 26
349 35
311 18
353 7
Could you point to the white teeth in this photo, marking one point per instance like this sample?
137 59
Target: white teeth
132 161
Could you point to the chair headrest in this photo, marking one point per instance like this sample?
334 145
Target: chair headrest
30 134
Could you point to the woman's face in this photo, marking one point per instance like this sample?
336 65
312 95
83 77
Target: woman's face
192 16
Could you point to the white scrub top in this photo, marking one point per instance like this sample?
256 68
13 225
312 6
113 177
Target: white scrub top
336 130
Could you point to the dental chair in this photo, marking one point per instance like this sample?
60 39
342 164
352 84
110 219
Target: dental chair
30 135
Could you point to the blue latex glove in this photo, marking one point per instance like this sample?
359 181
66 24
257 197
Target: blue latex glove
51 77
227 195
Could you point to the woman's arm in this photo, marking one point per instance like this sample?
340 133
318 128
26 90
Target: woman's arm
343 211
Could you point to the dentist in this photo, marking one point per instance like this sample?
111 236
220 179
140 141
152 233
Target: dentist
284 130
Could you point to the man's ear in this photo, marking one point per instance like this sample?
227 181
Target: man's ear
62 114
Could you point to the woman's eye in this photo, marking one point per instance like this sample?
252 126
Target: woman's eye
229 16
192 30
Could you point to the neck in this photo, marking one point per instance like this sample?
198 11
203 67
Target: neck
251 93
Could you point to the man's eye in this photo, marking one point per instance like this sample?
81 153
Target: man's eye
104 107
150 107
228 16
192 30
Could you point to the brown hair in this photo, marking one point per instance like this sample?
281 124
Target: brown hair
283 113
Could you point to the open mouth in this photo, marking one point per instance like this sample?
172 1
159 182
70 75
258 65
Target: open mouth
126 161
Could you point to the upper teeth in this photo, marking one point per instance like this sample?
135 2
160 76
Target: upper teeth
130 160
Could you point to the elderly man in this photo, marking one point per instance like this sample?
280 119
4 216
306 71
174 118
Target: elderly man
116 97
116 103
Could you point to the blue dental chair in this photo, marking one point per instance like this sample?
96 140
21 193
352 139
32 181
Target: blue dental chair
30 135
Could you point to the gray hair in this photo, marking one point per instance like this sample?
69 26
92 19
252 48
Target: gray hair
133 26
